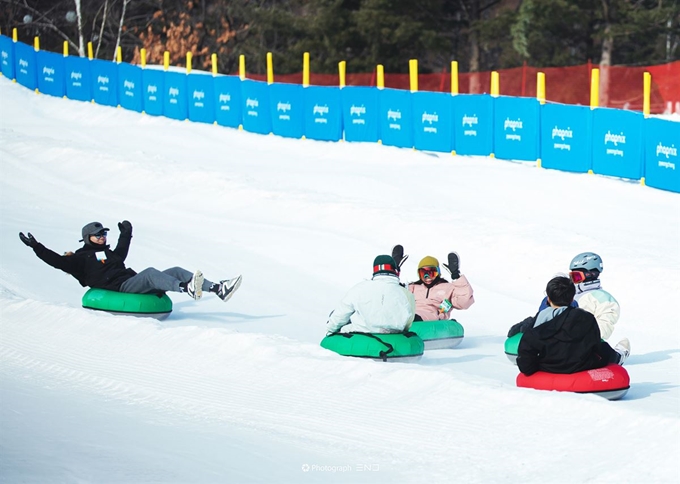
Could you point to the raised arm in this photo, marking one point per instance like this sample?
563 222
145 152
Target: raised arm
124 239
64 263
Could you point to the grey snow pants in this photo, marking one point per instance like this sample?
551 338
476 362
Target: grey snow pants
152 280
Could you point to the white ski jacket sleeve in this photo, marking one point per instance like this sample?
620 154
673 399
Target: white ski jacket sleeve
604 307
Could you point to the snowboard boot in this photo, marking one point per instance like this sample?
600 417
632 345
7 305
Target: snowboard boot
195 286
226 289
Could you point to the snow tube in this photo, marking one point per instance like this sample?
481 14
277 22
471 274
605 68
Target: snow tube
439 334
157 306
405 346
611 382
512 347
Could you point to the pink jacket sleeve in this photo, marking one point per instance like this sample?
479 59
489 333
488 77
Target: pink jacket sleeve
462 294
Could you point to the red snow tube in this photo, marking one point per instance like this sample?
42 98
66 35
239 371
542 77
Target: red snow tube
611 382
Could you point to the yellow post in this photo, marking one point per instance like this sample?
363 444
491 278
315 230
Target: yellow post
495 84
454 78
380 82
540 87
143 55
342 72
213 61
15 35
90 51
270 68
189 55
305 70
540 95
242 67
36 46
66 48
647 81
119 54
454 86
166 60
495 91
594 88
413 74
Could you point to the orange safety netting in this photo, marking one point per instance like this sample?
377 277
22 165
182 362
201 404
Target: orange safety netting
566 85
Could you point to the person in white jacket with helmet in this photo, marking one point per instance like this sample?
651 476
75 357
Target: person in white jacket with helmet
584 272
379 305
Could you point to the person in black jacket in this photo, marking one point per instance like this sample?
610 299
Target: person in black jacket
96 265
565 339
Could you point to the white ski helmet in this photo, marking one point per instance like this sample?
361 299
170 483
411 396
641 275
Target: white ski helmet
587 261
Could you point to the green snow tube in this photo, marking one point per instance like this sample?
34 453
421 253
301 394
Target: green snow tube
157 306
440 334
512 346
405 346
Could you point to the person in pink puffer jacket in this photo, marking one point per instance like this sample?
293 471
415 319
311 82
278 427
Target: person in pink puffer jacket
435 296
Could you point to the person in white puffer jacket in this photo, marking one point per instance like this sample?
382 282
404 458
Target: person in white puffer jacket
379 305
584 272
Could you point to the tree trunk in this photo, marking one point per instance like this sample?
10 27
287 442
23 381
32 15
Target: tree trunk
120 28
81 43
607 50
101 28
475 83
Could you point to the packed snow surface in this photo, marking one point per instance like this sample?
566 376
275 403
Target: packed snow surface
242 391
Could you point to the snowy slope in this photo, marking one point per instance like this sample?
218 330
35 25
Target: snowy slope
242 392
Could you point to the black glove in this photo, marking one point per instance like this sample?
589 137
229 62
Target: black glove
522 326
28 240
398 255
125 227
452 266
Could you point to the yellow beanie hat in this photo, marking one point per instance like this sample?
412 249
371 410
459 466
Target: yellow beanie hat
428 261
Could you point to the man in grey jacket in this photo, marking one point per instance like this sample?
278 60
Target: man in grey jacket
379 305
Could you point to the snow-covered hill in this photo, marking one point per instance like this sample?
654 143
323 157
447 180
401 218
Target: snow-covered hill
242 392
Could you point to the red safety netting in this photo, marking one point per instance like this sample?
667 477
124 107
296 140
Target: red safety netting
566 85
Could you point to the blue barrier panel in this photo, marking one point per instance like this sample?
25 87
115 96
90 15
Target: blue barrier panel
432 116
153 88
287 107
617 143
323 113
662 164
360 113
175 103
7 57
104 82
78 78
25 65
50 73
228 101
566 137
130 87
255 106
394 118
516 128
473 124
200 89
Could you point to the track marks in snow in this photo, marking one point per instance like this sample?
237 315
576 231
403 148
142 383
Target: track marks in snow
297 392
